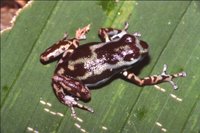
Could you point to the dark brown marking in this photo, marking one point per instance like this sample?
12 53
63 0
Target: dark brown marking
66 82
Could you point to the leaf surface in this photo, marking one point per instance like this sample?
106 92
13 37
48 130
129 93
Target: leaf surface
172 30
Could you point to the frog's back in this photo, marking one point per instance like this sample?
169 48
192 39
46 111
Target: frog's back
86 65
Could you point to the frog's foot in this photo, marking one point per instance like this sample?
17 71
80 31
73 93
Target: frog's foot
71 102
81 33
169 78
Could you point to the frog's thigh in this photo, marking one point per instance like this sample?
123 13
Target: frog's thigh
72 87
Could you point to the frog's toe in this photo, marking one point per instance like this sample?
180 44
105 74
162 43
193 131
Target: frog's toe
169 77
89 109
81 33
71 102
126 25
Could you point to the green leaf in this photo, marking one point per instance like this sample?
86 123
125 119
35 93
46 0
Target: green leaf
172 30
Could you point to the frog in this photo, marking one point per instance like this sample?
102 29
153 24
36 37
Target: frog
82 67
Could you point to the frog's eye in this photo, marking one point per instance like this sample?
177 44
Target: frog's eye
128 40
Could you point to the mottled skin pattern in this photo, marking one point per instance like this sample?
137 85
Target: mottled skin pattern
92 64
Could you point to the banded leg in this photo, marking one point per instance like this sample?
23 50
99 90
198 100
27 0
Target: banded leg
109 34
155 79
69 91
58 48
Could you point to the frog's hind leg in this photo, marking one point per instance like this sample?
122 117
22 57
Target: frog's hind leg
69 91
109 34
155 79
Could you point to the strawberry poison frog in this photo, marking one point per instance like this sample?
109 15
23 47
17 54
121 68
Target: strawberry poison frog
92 64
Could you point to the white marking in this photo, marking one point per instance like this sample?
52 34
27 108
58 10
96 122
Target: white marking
97 83
57 52
68 51
79 119
119 35
83 130
137 43
49 104
173 96
130 75
159 88
164 130
118 13
60 61
159 124
60 114
137 34
125 73
176 98
71 67
104 128
32 130
113 32
68 98
129 39
45 103
77 125
65 87
169 23
179 99
53 113
76 45
45 109
29 128
61 71
42 102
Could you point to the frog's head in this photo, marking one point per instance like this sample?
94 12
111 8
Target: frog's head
136 48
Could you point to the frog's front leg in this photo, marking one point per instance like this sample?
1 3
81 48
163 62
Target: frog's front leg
69 91
155 79
109 34
63 45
